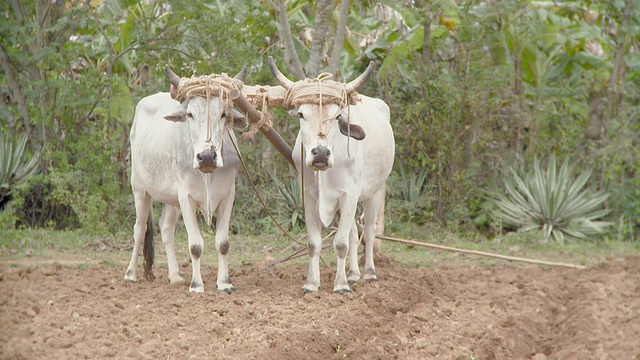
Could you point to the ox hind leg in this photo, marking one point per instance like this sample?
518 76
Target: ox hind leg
222 242
371 207
140 230
168 221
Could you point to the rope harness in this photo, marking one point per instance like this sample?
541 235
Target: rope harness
207 86
320 91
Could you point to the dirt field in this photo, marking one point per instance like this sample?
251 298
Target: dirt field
507 311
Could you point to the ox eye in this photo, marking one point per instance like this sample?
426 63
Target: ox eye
300 115
224 116
190 115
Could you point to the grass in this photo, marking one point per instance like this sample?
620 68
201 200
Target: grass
76 248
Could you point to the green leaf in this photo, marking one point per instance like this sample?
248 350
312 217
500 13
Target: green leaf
121 104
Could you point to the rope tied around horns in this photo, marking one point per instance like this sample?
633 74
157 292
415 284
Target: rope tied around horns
206 86
320 90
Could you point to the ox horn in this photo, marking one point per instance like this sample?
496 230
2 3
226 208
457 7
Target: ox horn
354 84
286 83
171 76
242 74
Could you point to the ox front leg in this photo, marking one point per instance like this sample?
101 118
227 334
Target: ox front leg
222 243
354 268
143 208
167 230
314 235
341 246
196 244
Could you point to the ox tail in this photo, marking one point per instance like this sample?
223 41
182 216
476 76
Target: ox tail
148 251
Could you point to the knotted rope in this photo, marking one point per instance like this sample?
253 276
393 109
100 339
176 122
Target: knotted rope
265 117
322 90
207 86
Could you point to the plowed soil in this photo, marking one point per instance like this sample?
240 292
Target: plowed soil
474 311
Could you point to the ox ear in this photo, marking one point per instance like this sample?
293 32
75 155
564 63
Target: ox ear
178 115
353 130
239 120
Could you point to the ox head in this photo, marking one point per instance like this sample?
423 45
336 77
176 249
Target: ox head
317 122
207 118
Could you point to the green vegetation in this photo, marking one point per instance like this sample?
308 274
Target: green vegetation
552 202
475 88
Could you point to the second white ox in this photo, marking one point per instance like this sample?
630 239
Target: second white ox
338 172
181 155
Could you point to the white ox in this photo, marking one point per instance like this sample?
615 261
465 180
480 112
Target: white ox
182 156
338 172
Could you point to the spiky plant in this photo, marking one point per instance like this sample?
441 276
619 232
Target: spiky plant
15 165
292 196
553 202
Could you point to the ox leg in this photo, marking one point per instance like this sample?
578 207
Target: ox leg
314 235
196 244
354 269
222 242
370 211
167 230
143 206
341 245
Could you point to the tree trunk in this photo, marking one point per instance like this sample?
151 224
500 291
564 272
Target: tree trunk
17 97
291 58
320 31
338 43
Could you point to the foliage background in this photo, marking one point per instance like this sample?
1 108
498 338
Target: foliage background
489 85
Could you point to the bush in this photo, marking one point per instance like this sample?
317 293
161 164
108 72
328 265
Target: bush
553 202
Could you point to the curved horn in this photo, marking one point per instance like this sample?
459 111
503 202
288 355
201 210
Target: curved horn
286 83
354 84
242 74
171 76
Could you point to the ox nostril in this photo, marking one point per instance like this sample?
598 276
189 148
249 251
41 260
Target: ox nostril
314 151
199 157
328 152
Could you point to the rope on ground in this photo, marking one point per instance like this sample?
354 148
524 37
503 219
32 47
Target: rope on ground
480 253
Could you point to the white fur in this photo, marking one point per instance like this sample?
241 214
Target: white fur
356 174
162 167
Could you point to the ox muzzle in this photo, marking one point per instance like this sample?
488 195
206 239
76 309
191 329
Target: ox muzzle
321 157
207 161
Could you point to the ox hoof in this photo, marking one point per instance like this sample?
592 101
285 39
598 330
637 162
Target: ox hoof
196 287
130 276
371 279
342 291
353 277
309 289
228 290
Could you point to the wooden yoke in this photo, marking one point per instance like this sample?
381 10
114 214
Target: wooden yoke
254 115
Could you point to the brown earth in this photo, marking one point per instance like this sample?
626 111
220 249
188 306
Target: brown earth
506 311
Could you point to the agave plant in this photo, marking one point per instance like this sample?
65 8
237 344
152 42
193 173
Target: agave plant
553 202
15 166
292 196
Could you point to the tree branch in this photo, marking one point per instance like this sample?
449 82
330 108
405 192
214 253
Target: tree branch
338 43
320 32
16 91
291 58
